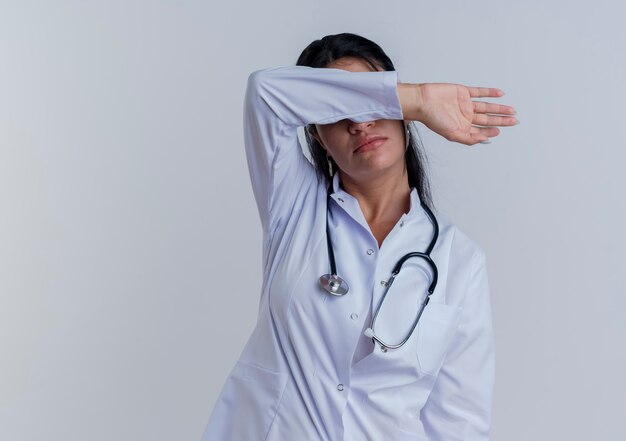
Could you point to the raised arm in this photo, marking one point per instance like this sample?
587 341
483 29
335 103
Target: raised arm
278 100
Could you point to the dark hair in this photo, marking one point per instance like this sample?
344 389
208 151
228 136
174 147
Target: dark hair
332 47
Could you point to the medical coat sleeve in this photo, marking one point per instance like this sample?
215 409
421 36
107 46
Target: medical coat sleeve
280 99
459 406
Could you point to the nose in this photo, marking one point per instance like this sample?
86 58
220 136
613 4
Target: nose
354 126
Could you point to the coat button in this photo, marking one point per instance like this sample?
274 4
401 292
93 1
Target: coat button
383 282
370 252
340 387
354 316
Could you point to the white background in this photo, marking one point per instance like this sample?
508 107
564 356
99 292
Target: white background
130 246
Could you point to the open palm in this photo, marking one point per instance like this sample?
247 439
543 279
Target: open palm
448 110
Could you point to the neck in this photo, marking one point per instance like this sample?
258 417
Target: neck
382 199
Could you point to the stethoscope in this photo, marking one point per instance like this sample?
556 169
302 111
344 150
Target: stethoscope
336 286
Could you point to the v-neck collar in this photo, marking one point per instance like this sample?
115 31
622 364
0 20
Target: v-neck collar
351 205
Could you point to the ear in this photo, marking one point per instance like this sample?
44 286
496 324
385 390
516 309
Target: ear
314 134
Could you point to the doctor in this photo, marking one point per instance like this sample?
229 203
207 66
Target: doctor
314 367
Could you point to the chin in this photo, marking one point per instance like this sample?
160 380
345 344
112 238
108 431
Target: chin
377 169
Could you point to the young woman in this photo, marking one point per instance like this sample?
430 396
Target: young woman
374 320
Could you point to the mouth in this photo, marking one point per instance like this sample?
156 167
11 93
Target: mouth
370 143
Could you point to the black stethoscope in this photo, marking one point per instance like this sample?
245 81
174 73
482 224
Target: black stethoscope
336 286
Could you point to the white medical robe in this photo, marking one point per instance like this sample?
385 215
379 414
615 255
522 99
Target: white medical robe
307 372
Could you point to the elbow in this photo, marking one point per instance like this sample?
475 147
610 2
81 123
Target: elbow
257 80
257 89
254 84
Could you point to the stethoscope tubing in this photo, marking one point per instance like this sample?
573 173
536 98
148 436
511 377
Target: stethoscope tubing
335 285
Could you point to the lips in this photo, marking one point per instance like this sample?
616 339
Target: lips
370 142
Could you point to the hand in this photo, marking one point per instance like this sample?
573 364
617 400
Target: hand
448 110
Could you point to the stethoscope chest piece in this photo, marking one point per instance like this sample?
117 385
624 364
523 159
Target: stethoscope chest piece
333 284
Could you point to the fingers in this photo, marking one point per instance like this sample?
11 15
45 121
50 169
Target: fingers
493 120
500 109
474 138
475 135
478 92
487 132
